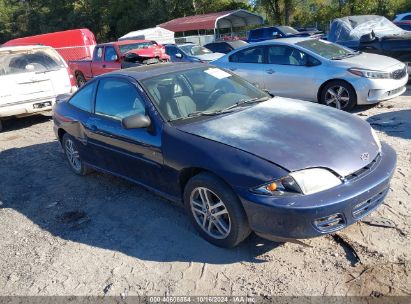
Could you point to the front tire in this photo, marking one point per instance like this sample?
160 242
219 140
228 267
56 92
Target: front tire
73 156
339 94
215 211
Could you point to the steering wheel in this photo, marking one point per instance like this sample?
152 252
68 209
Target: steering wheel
214 95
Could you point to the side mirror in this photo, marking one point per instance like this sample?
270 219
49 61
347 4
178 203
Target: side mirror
179 56
136 121
276 35
114 58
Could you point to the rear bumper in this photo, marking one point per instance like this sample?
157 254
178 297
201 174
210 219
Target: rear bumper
305 216
26 107
370 91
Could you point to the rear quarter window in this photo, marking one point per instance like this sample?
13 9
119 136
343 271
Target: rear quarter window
83 99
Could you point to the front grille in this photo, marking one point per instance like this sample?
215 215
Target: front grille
399 74
365 169
330 223
362 209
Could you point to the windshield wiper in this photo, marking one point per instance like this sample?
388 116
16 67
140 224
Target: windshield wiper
223 111
246 101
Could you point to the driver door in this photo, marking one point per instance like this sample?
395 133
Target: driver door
132 153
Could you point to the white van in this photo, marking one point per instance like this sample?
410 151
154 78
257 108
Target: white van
31 77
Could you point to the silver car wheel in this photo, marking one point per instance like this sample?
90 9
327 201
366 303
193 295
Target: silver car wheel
73 155
337 96
210 213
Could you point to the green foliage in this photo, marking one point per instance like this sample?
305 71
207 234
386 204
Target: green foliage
109 19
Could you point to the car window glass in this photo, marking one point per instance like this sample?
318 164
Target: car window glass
408 17
282 54
98 54
171 51
118 99
257 33
83 99
250 55
110 54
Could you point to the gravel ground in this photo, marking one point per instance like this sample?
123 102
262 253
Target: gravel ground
61 234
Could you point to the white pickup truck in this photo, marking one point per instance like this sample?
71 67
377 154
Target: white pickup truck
31 77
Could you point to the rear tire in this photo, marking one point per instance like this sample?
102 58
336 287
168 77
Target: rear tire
80 79
73 157
1 126
215 211
339 94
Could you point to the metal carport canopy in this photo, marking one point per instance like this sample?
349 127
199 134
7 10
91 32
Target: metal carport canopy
227 19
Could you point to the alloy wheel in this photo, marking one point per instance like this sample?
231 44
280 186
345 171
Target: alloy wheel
210 213
73 155
337 96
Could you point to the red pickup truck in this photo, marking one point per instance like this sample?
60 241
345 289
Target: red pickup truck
113 56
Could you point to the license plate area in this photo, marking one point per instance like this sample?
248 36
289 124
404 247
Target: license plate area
40 105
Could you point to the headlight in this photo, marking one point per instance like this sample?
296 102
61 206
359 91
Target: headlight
370 73
377 140
307 181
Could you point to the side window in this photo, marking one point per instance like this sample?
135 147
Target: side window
222 48
171 50
255 34
98 54
118 99
406 18
83 99
250 55
110 54
285 55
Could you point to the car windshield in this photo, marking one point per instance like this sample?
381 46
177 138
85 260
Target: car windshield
29 61
201 92
288 30
327 49
237 43
195 50
135 46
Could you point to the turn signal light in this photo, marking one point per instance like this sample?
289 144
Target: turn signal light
272 187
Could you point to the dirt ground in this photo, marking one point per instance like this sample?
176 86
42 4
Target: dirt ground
61 234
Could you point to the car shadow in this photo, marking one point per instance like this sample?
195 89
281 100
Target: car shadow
396 123
107 212
13 124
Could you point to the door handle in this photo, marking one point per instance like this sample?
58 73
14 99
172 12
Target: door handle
104 65
270 71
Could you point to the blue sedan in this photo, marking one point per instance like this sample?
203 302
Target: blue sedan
237 159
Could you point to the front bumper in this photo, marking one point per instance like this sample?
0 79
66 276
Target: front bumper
304 216
370 91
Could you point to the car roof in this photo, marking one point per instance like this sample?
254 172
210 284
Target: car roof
124 42
291 40
153 70
23 48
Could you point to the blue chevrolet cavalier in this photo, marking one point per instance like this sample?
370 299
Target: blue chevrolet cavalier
238 159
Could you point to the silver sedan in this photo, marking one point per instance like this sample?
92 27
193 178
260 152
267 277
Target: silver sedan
318 70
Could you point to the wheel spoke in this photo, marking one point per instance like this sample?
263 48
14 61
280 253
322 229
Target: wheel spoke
340 91
331 92
220 213
220 225
337 104
218 205
204 196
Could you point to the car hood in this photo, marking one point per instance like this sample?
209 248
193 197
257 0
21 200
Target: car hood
294 135
372 62
210 57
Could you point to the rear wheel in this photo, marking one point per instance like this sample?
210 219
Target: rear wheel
81 80
339 94
1 125
73 156
215 211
